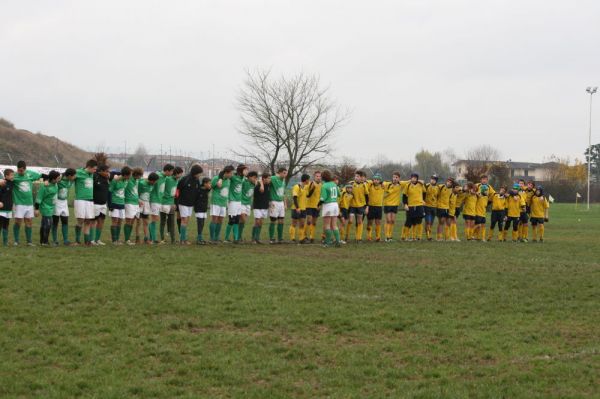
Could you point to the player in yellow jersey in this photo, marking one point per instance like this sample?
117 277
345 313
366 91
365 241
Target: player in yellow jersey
539 214
299 192
432 189
526 190
313 195
358 205
391 202
375 192
344 205
414 202
480 212
454 211
498 214
484 180
515 203
470 210
443 208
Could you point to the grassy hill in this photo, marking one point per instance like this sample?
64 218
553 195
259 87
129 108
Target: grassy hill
37 149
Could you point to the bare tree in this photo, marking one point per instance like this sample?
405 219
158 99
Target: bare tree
287 122
479 161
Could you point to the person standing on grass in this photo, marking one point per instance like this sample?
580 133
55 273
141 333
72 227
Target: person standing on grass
84 201
443 209
375 192
498 213
6 203
218 200
247 194
45 203
299 213
168 202
156 207
117 203
277 205
101 185
260 205
132 203
539 214
23 201
234 206
186 195
144 189
201 209
391 203
358 205
330 211
344 205
61 209
313 195
515 203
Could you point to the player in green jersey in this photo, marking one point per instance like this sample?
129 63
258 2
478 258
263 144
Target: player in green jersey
234 206
23 200
145 187
44 204
132 203
218 200
247 196
117 203
168 203
61 208
156 202
330 210
277 205
84 201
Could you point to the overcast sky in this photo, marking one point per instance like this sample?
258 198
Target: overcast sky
416 74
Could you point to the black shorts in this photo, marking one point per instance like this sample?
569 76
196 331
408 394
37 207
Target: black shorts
359 210
299 215
524 217
375 212
344 213
469 217
479 219
442 213
144 216
457 212
312 212
390 209
415 212
536 221
498 216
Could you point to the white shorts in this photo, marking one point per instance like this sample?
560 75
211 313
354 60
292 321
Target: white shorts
331 209
61 208
276 209
155 208
200 215
7 215
132 211
217 210
186 211
246 209
100 210
117 214
24 211
261 213
84 209
145 208
166 208
234 208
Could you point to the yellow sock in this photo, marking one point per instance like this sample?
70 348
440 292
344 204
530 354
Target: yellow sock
413 232
453 232
292 233
378 232
534 232
428 232
369 231
525 231
419 231
302 232
541 231
515 235
447 233
490 235
359 231
482 232
468 233
404 233
348 227
438 236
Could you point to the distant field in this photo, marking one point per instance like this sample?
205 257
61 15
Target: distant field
373 320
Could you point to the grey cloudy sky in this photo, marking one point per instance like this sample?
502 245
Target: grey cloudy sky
433 74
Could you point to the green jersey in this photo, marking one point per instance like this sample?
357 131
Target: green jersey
158 189
235 188
247 192
329 192
277 190
131 192
117 189
46 198
220 195
63 189
144 190
168 197
84 185
23 187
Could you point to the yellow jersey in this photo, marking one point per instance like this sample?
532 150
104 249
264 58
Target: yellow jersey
498 202
452 204
538 207
480 207
313 194
470 208
514 206
460 198
375 193
431 195
344 199
299 191
443 200
358 195
415 193
393 193
528 195
491 190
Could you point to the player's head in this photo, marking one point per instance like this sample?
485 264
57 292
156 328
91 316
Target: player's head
252 177
539 191
522 184
103 171
177 172
21 167
471 188
137 173
450 182
502 190
126 172
91 166
227 172
317 176
530 185
433 179
326 176
336 179
196 170
9 174
305 178
359 176
241 170
377 179
53 176
266 178
168 169
396 177
414 178
457 188
205 182
69 174
483 179
153 178
349 188
282 172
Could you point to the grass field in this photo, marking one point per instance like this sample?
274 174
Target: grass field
421 320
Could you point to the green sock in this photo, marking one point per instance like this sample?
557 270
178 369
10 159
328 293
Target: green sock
280 231
28 233
152 231
92 233
218 231
65 232
236 232
16 232
254 230
328 236
211 230
258 230
117 232
78 234
5 237
241 230
228 232
183 233
98 233
272 231
128 229
54 233
87 238
336 234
